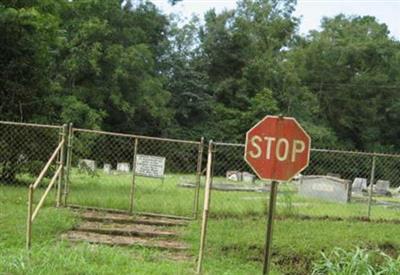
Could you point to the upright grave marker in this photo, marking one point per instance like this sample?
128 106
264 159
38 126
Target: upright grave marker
277 148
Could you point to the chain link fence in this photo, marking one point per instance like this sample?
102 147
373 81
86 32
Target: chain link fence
336 184
102 163
136 173
24 150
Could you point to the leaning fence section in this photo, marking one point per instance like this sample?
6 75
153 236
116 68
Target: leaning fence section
134 173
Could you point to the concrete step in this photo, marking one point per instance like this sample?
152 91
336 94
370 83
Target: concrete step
126 229
97 216
97 238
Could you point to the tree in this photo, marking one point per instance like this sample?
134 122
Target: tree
351 67
28 47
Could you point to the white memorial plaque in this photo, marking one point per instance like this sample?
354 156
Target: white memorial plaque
150 166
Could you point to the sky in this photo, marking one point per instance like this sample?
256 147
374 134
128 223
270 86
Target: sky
310 11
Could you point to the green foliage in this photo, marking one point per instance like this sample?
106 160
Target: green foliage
125 66
360 261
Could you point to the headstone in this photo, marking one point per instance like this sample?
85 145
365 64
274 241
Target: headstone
248 177
325 188
87 164
234 175
123 167
359 184
297 177
382 187
150 166
335 175
107 168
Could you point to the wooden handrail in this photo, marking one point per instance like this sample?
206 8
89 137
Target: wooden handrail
46 167
39 205
32 214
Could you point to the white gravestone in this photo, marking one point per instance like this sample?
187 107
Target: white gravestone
382 186
234 175
107 168
359 184
325 188
87 164
150 166
248 177
123 167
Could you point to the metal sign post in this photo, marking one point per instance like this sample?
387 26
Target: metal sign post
277 148
270 225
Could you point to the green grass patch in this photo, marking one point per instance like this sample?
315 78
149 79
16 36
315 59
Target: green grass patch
235 234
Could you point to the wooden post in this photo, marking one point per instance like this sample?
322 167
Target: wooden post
133 175
29 218
198 179
207 196
61 163
371 186
68 163
268 237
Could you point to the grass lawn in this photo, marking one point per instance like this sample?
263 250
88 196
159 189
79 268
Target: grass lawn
235 233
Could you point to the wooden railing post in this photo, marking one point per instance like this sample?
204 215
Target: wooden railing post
207 197
371 186
133 175
68 163
61 163
198 178
29 218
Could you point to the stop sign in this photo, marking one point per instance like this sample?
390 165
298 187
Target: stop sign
277 148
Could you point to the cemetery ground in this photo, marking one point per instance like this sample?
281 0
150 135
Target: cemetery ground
304 228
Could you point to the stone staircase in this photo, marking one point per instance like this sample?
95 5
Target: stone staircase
116 229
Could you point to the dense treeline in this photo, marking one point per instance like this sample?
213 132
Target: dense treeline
125 66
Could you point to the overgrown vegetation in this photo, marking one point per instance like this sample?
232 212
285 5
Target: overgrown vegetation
359 261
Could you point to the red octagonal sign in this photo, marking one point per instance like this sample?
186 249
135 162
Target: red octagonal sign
277 148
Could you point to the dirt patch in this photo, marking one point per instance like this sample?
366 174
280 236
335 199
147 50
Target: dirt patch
288 264
389 249
294 264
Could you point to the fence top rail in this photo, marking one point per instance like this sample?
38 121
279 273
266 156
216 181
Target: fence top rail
135 136
371 154
30 124
323 150
228 144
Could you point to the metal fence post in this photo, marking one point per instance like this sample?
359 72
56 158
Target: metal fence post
371 185
133 175
29 218
270 227
68 163
198 178
207 196
61 163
